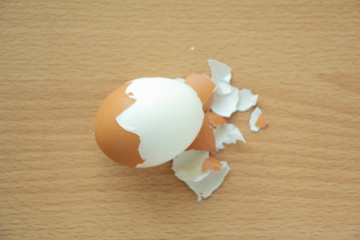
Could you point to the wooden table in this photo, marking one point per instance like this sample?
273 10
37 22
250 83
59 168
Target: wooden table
297 179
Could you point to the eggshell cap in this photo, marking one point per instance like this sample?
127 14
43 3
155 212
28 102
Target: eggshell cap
113 140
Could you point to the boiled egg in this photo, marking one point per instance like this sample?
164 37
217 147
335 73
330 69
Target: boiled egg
148 121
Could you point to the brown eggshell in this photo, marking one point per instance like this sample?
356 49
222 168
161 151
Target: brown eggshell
117 143
209 102
215 119
204 88
205 140
211 163
261 121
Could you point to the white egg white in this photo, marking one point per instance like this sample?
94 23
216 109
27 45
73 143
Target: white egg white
167 116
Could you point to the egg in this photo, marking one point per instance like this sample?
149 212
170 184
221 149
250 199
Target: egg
148 121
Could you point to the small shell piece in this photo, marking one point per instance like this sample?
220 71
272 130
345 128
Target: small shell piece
246 100
226 104
257 120
210 183
227 133
188 165
215 119
211 164
203 174
204 87
220 75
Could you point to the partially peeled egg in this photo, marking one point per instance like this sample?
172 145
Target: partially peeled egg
148 121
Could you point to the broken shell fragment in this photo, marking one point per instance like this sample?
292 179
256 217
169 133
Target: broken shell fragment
215 119
203 174
246 100
204 87
189 165
257 120
225 104
211 164
228 134
220 75
210 182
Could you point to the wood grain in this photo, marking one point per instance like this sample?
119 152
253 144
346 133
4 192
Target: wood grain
298 179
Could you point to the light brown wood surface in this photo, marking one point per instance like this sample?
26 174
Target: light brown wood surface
297 179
